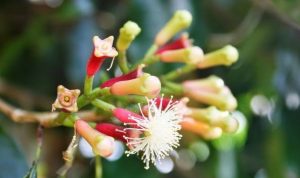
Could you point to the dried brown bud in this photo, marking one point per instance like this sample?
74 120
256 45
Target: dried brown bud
66 99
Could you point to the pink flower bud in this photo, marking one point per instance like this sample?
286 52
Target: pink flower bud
124 115
211 91
191 55
102 145
201 128
145 85
102 49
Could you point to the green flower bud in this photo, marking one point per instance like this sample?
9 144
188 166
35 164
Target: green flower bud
224 56
180 20
215 118
127 34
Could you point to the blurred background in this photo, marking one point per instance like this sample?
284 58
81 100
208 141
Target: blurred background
44 43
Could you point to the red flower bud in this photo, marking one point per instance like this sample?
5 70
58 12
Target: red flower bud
102 49
182 42
117 132
124 115
131 75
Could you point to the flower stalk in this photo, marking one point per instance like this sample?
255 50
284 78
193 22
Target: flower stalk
103 105
122 61
88 84
98 167
178 73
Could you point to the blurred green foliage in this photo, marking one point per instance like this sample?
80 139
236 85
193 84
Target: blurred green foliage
13 163
42 46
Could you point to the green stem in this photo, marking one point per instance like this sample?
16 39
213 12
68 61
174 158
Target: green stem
179 72
150 60
175 88
70 120
122 61
227 164
149 57
60 119
103 105
99 92
98 167
83 100
151 50
88 84
166 91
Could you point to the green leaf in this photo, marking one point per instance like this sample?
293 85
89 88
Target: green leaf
12 161
32 173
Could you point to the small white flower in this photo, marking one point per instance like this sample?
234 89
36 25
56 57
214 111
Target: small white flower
104 47
158 132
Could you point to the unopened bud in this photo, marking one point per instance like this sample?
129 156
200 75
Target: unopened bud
182 42
102 145
145 85
201 128
231 125
224 56
210 91
191 55
181 20
214 117
127 34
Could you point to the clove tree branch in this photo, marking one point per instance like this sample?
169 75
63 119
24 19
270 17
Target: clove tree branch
46 119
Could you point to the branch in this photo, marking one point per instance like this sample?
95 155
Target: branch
246 27
24 97
269 7
46 119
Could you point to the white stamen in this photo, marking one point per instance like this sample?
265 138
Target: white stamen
111 64
159 132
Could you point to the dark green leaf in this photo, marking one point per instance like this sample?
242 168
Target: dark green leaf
12 162
32 173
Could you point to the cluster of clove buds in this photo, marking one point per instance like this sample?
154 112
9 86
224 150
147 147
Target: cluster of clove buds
168 105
